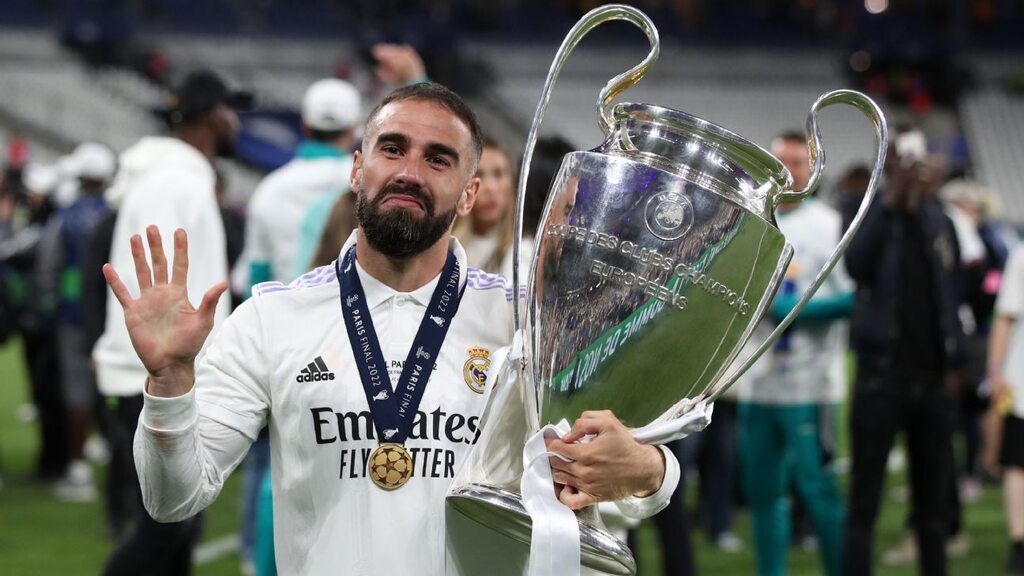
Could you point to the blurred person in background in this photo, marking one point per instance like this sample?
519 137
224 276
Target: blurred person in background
982 257
788 402
1006 380
984 250
273 250
114 413
331 110
975 205
61 258
25 210
906 335
169 182
486 233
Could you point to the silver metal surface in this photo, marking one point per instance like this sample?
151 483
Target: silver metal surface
645 283
501 511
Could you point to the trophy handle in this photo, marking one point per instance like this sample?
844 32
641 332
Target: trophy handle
817 160
613 88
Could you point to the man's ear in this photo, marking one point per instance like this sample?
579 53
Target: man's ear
468 198
357 172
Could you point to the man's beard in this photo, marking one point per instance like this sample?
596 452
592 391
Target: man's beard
398 232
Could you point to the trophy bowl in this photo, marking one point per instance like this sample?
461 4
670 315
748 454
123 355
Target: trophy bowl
655 259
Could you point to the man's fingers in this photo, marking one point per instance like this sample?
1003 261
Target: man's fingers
156 252
564 478
587 414
575 499
559 464
583 426
118 287
209 303
571 451
142 272
179 275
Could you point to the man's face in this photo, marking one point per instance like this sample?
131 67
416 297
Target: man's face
413 176
794 157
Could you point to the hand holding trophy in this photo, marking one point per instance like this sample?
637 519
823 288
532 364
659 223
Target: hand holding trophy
657 256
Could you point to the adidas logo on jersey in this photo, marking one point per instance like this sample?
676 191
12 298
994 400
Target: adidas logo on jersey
316 371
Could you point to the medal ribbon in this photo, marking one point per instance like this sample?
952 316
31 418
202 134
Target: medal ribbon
394 411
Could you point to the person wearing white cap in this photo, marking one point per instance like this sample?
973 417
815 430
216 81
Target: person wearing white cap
331 110
92 168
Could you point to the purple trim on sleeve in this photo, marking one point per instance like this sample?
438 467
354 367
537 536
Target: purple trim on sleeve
316 277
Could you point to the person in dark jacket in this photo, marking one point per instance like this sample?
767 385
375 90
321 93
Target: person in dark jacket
907 339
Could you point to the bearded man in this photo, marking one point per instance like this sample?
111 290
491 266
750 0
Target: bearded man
358 368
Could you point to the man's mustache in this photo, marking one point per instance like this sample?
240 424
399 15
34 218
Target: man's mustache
414 192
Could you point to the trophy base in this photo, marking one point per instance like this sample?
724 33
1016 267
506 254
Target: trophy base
498 528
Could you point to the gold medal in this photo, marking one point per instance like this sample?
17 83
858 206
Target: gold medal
390 466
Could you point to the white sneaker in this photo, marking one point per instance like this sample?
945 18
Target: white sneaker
77 485
96 450
958 546
27 413
729 542
903 553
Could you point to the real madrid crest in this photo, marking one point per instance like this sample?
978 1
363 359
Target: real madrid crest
475 369
668 215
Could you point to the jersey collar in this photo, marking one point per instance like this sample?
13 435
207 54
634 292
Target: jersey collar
378 293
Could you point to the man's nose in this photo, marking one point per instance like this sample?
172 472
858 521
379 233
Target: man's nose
410 172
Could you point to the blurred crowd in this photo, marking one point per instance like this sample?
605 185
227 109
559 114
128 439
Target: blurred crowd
925 303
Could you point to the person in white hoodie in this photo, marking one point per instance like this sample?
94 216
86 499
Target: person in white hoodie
169 182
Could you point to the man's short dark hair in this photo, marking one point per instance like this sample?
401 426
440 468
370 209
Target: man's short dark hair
442 96
795 136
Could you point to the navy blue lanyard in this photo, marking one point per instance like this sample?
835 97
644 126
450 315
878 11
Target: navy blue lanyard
393 411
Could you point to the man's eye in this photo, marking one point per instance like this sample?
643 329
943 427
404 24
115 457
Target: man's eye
391 149
439 161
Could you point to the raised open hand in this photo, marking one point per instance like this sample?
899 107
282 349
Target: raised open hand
165 329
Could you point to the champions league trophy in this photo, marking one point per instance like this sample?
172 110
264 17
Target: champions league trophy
657 256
